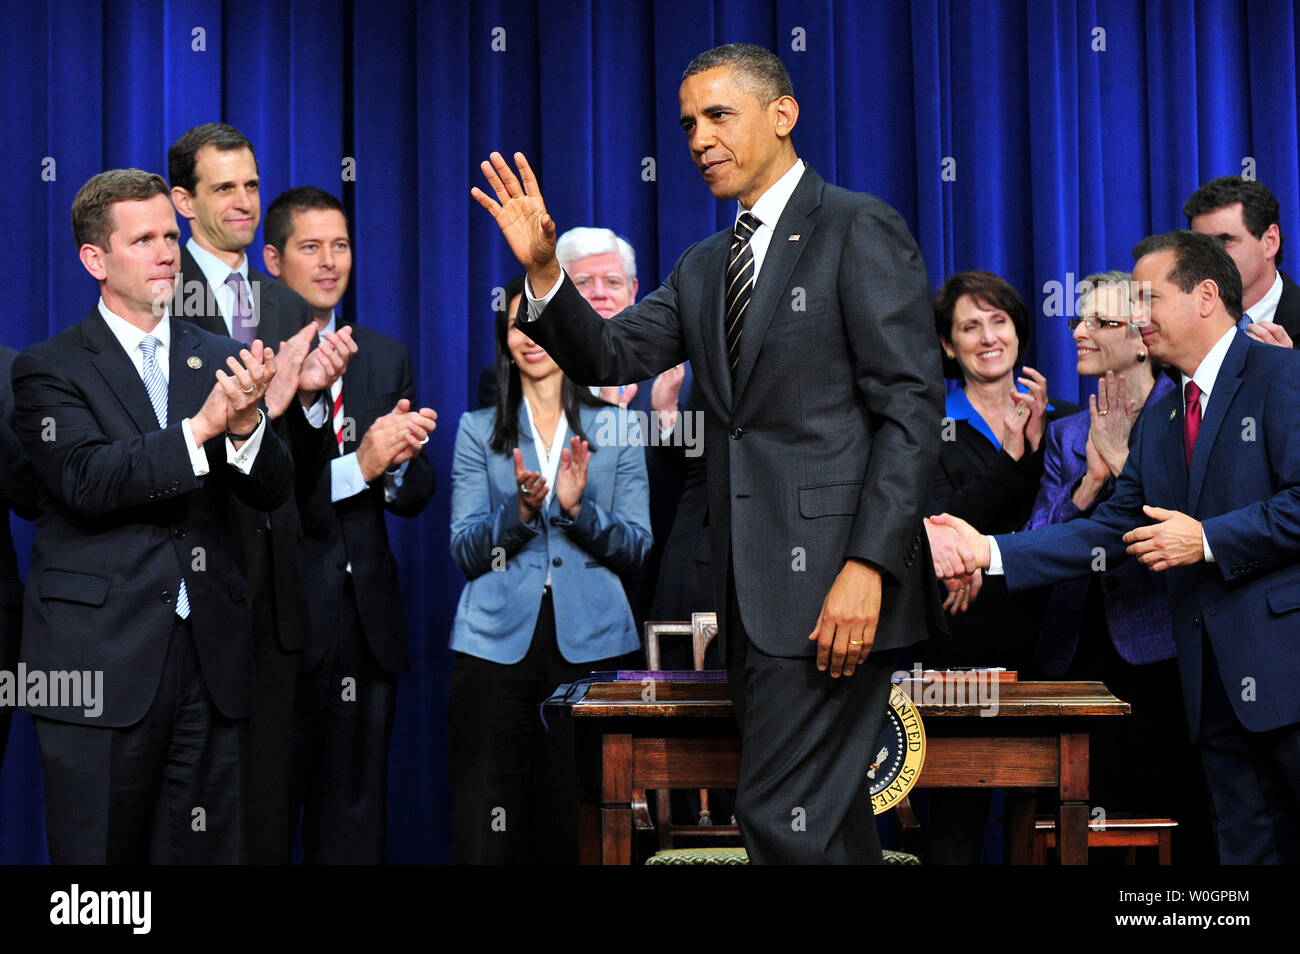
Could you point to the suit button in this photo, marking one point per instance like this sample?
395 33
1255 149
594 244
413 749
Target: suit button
342 564
735 433
179 533
1196 622
166 596
557 562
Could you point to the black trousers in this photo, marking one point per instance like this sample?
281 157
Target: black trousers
343 724
806 743
1253 777
166 790
270 749
514 792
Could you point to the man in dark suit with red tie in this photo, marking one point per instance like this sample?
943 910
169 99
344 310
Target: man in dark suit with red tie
347 687
803 324
139 429
1216 465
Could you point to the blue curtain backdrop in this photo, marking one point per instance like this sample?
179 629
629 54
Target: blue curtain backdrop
1033 138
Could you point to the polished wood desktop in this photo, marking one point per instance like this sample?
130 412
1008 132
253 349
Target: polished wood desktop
641 735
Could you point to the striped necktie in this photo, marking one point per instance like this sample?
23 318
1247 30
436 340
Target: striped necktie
156 385
336 392
740 282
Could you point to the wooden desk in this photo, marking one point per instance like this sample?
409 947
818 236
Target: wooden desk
683 735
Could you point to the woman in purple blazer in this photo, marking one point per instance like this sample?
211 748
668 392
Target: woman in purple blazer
1114 626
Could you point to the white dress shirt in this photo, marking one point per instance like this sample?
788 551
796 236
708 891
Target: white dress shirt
216 272
548 460
346 479
130 337
1266 307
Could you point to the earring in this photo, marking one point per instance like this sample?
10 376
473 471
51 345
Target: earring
1141 357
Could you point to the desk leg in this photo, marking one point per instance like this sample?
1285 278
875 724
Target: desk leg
1019 812
616 799
1072 813
1072 833
616 835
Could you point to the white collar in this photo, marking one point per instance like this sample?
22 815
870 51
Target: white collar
772 203
214 269
129 336
1268 304
329 325
1207 372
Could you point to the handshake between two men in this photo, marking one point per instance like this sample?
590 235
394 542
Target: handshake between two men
962 554
304 372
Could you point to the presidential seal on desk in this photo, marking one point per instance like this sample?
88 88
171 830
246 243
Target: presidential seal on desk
900 753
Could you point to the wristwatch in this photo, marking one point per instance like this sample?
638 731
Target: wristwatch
243 437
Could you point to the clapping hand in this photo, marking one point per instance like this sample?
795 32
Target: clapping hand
1035 403
394 439
665 393
325 364
250 375
610 394
1112 415
571 478
531 488
1270 333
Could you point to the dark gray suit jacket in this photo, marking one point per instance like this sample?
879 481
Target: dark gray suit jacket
354 530
824 448
274 572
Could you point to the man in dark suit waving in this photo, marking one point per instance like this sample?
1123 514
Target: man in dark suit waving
805 326
1216 465
136 451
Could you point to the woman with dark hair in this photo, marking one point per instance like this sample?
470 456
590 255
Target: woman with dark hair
990 462
1114 626
549 504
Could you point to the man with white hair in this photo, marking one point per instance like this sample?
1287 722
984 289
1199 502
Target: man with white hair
602 266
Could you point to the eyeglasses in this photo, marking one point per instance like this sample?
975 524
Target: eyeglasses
1095 324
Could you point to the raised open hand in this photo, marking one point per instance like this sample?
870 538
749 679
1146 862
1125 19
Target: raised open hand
520 213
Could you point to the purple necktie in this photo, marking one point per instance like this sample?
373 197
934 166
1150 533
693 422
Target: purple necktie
243 326
1191 419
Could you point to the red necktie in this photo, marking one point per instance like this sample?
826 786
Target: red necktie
1191 419
337 417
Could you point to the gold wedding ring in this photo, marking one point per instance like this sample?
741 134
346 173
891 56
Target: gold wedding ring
248 390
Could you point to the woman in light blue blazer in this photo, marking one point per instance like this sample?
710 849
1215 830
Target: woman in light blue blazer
549 504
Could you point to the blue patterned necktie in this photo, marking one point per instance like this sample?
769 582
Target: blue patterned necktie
1245 321
156 385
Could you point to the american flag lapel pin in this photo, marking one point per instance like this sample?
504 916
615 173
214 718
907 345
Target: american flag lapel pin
793 238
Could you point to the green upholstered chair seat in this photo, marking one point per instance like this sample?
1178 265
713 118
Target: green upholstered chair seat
736 856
